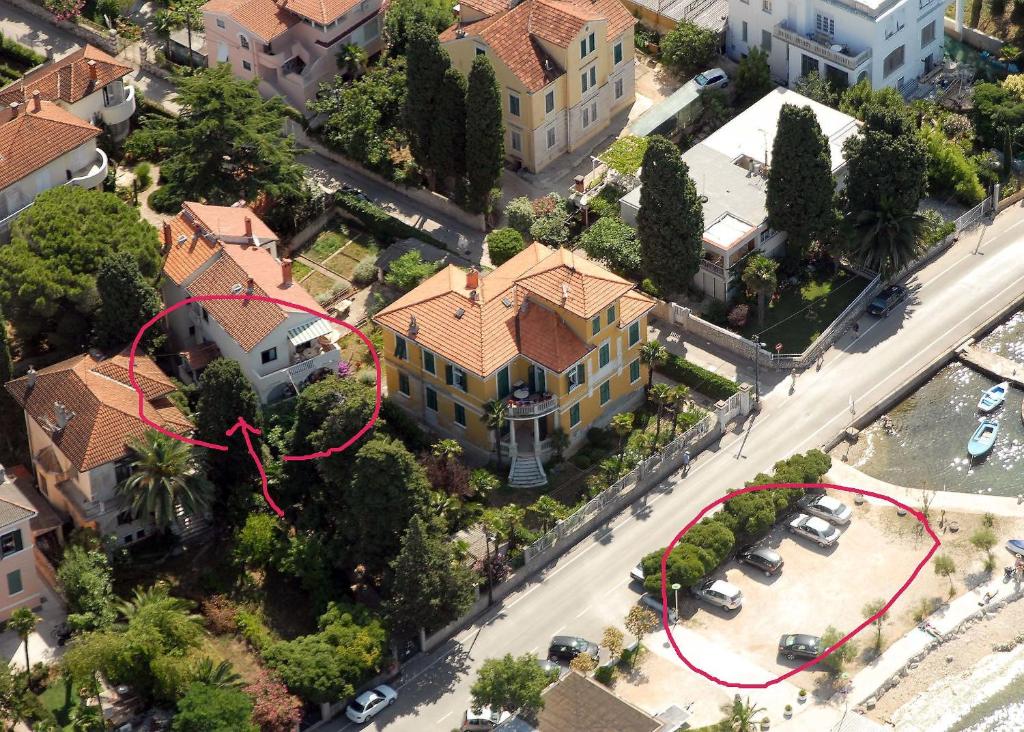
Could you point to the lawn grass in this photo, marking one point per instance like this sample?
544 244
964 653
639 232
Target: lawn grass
361 247
56 698
317 284
326 244
342 264
229 648
803 312
299 270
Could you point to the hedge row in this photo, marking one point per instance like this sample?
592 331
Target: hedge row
699 379
18 54
379 222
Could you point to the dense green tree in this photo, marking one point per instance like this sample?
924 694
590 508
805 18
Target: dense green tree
427 64
485 133
713 536
949 168
813 86
800 195
403 15
612 241
503 244
50 266
260 541
430 586
226 143
686 564
753 78
208 708
998 116
688 48
448 136
759 276
754 513
165 476
836 662
886 237
12 423
860 97
670 223
127 302
512 684
409 270
85 580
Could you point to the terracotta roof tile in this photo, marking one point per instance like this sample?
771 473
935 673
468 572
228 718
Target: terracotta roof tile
30 139
228 221
66 79
488 7
321 11
105 408
591 287
265 18
153 382
188 251
545 338
632 305
559 22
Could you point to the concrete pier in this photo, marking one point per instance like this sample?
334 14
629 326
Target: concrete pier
992 364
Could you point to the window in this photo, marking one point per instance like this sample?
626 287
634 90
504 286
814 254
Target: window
634 371
893 61
243 41
618 88
617 52
743 33
428 362
504 383
766 41
604 355
576 376
454 376
122 469
517 141
590 43
583 48
401 348
372 30
247 66
513 104
606 392
551 138
574 415
431 399
10 543
593 75
586 117
928 34
403 384
766 235
220 23
481 51
460 415
14 584
766 6
583 82
634 334
269 355
595 325
125 517
824 24
549 102
610 314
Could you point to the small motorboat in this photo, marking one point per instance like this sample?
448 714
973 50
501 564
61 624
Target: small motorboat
983 438
993 398
1015 546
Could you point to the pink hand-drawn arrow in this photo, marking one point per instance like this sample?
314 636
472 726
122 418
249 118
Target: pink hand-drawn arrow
247 429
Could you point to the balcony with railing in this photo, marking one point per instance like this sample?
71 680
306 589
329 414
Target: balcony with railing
821 45
712 267
531 405
92 175
117 112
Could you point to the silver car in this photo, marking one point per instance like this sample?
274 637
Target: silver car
720 593
816 529
830 509
653 603
711 79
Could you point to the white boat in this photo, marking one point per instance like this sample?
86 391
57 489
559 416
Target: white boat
993 398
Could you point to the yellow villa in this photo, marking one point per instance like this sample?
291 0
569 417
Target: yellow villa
551 332
565 67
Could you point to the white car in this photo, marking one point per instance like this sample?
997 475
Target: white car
367 705
637 573
711 79
483 720
719 592
829 509
816 529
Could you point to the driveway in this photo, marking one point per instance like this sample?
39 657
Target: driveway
42 644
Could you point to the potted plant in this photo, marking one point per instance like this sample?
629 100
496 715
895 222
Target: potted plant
802 696
765 723
789 711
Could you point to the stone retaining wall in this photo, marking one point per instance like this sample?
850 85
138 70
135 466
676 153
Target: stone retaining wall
107 43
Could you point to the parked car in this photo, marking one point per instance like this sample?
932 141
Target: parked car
567 647
828 508
483 720
766 560
720 593
816 529
637 573
653 603
368 705
805 646
711 79
886 300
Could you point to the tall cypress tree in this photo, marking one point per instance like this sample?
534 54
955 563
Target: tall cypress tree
801 190
12 421
449 132
887 159
127 302
427 63
670 223
485 132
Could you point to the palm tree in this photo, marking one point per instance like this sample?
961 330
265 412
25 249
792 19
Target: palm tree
446 506
446 450
155 607
352 58
165 475
164 23
23 621
679 398
189 13
653 354
86 718
741 714
760 276
659 395
495 417
887 239
511 517
622 425
549 511
221 676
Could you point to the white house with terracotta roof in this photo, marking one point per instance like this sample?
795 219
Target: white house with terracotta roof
565 68
290 46
228 250
43 146
88 82
81 414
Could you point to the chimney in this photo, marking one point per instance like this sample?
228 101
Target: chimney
63 415
472 279
167 235
31 376
248 227
37 102
92 72
250 286
472 295
14 109
414 327
286 273
565 292
578 184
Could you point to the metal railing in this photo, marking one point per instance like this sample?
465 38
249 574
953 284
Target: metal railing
793 37
533 409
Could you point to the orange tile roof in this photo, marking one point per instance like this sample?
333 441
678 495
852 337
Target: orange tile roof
632 305
495 326
105 407
228 221
488 7
66 79
189 249
320 11
29 140
559 22
264 18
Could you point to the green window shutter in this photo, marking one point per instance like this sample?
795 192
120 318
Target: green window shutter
460 415
611 315
574 415
14 583
634 371
431 399
604 355
595 325
504 387
634 333
18 546
403 384
428 362
581 373
449 376
606 392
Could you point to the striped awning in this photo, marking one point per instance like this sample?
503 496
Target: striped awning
309 331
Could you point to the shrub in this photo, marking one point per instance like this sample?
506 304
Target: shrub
519 215
650 288
365 272
142 177
503 244
23 55
739 316
688 48
165 200
219 613
614 242
625 154
549 205
379 222
950 170
64 9
551 230
409 270
700 379
601 205
605 675
253 630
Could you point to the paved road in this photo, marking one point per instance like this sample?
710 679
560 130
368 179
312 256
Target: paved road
587 589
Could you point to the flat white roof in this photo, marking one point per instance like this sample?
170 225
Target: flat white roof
727 230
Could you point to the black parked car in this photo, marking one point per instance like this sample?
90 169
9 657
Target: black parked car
886 300
805 646
567 647
766 560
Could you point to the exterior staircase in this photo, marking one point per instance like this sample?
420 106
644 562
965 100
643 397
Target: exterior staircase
526 472
190 528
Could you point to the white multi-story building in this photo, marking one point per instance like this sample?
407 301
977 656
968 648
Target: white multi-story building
888 42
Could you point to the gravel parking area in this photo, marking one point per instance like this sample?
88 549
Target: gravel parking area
816 588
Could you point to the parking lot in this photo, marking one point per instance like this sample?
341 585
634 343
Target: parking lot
816 588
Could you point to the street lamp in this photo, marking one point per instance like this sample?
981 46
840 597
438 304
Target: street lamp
488 538
675 588
756 340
